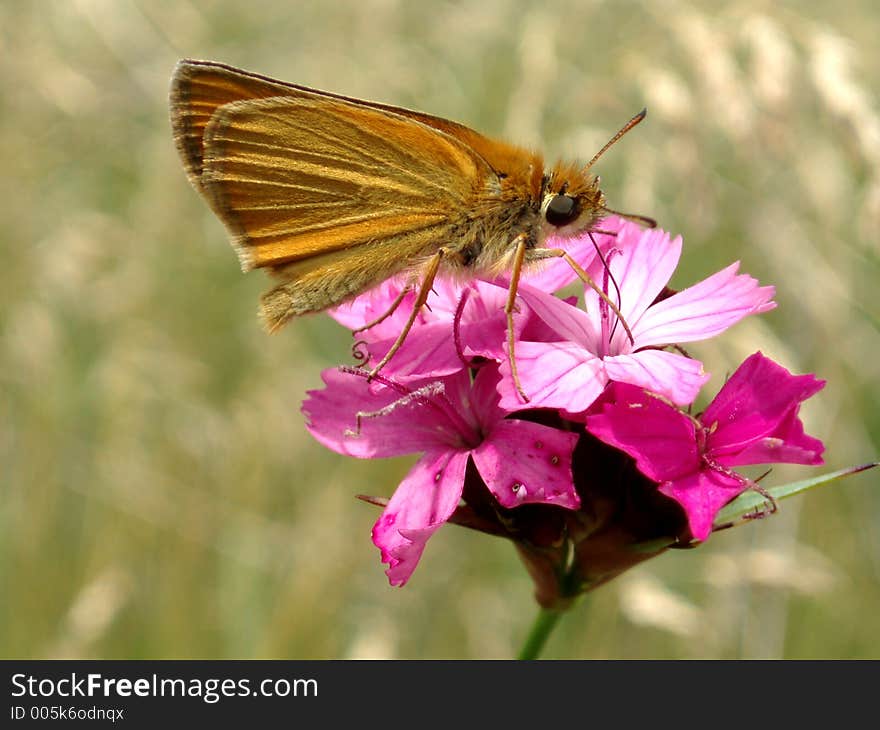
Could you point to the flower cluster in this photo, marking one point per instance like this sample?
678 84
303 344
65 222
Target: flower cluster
604 453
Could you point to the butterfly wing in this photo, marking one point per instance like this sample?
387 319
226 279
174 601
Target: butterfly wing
200 88
329 194
294 178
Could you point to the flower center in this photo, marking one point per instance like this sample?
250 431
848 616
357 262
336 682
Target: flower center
608 320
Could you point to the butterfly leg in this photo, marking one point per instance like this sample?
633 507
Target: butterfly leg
425 289
391 310
519 256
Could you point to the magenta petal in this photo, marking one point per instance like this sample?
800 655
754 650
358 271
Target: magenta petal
702 495
659 437
524 463
704 309
392 421
422 502
488 339
669 374
788 444
427 351
483 323
482 398
753 404
554 375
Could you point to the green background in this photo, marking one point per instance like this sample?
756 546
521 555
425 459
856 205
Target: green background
160 494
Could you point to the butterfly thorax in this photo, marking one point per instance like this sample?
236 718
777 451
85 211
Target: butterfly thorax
523 202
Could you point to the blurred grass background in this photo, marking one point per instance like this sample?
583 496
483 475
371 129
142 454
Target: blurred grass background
160 495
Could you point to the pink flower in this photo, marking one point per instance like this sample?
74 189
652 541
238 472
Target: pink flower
752 420
591 349
449 420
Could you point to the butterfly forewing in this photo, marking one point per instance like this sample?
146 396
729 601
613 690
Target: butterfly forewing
199 88
296 177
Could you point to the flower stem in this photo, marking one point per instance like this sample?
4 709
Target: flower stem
544 624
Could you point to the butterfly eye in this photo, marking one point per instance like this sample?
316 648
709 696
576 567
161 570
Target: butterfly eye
561 211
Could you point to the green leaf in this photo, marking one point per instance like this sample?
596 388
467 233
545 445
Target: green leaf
750 501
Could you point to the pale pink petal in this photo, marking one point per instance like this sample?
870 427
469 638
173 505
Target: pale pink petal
569 322
704 309
554 375
422 502
444 296
642 265
374 303
702 495
525 463
660 438
669 374
367 420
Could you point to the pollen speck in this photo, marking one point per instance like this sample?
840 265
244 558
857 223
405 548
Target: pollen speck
554 460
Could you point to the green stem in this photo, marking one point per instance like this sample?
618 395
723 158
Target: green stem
544 624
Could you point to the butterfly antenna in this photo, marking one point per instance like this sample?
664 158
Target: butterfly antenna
623 130
643 219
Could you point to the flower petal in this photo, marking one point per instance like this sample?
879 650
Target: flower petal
788 445
430 349
366 420
374 303
704 309
659 437
669 374
422 502
481 400
701 495
554 375
759 400
427 352
525 463
642 262
566 320
483 322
